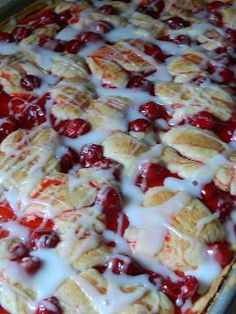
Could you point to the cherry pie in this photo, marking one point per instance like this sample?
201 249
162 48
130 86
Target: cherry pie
117 156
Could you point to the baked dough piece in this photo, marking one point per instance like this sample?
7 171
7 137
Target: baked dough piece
90 288
146 24
13 71
225 177
188 99
108 112
124 149
26 152
187 66
59 192
182 248
39 35
194 143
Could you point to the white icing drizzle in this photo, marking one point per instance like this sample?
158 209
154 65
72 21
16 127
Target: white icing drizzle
152 222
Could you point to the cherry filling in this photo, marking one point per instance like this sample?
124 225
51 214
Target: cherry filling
153 111
30 82
181 290
30 264
214 14
90 154
19 250
35 222
151 7
139 82
217 200
70 128
89 37
110 201
6 37
49 305
176 22
139 125
178 40
107 9
6 212
68 160
221 252
7 126
155 51
19 33
3 311
152 174
40 20
43 239
102 27
230 34
109 164
225 130
52 44
63 18
203 120
74 46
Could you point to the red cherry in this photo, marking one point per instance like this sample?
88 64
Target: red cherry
178 40
34 116
140 82
218 201
19 33
107 9
30 82
221 252
68 160
209 191
53 45
203 120
19 250
152 8
231 34
153 111
156 52
7 126
44 239
227 75
112 165
63 18
176 22
3 311
91 37
70 128
226 130
214 6
139 125
215 18
6 212
40 19
102 27
31 264
184 289
73 46
110 201
90 154
5 100
49 306
6 37
152 174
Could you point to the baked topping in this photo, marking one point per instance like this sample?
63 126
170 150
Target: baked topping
117 162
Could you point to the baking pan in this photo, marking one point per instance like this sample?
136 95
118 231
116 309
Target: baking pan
225 300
